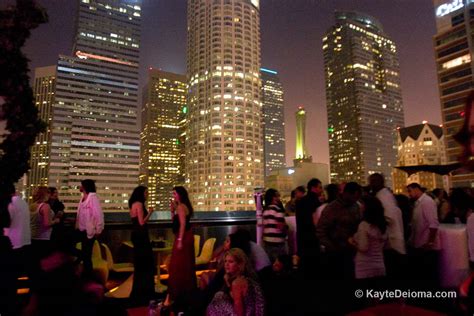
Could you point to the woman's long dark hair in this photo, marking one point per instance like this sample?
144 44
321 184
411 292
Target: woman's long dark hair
138 195
88 185
241 239
184 198
269 195
374 213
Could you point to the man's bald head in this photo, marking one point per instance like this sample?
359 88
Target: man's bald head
376 182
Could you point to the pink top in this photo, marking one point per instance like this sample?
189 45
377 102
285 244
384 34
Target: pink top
90 216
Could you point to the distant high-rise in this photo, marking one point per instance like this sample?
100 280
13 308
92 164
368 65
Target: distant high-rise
421 144
363 97
43 89
274 120
162 147
224 134
94 132
454 51
301 151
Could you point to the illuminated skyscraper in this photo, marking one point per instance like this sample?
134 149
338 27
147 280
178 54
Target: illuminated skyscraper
161 163
43 90
453 52
224 134
300 116
363 98
274 120
94 132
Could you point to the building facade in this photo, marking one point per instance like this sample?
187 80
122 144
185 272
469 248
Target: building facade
162 146
94 132
287 179
274 120
421 144
224 134
363 98
454 49
44 88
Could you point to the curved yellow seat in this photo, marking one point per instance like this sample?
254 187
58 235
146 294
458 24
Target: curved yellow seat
197 243
99 265
115 267
206 252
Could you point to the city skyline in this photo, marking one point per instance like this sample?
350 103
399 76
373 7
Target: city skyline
300 38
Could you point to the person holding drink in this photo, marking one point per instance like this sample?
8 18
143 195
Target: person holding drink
182 277
144 268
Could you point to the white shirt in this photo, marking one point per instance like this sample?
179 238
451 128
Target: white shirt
369 261
425 216
393 216
19 231
470 236
90 216
317 214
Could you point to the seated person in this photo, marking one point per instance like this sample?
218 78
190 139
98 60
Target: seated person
241 294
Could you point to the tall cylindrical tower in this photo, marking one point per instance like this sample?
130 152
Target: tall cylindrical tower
300 133
224 142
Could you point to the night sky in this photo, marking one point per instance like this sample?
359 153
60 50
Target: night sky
292 32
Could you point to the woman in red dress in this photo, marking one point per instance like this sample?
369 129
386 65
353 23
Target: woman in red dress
182 276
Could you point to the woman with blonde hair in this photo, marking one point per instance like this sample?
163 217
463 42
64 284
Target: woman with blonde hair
41 222
241 294
41 218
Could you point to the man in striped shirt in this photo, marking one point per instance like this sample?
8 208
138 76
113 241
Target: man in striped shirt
274 227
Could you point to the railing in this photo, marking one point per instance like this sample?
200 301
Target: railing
118 228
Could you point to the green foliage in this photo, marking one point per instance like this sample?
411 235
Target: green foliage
16 96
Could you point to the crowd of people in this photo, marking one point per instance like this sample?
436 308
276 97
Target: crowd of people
347 237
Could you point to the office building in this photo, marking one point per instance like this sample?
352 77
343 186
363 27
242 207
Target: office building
453 53
363 98
94 132
44 87
274 120
162 146
224 134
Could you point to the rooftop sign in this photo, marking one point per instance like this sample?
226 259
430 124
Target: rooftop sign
449 7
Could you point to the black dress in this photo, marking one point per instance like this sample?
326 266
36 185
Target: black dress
144 268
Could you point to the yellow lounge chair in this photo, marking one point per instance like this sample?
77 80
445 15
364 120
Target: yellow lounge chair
116 267
206 252
197 241
99 265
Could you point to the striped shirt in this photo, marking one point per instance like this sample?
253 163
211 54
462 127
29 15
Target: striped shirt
273 225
